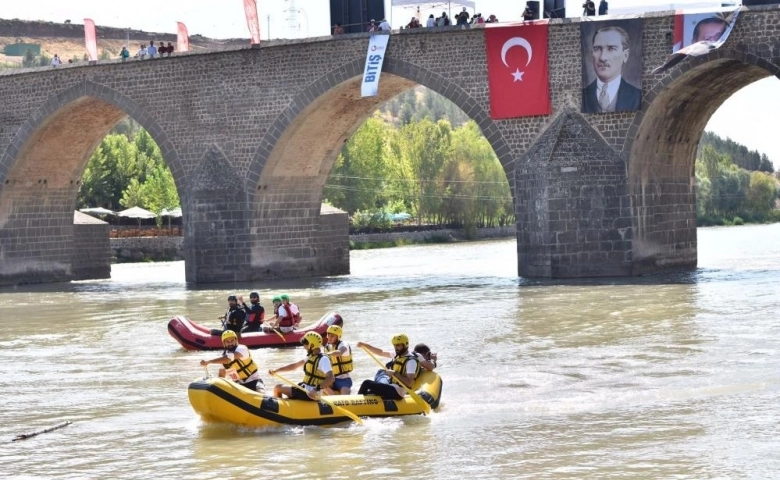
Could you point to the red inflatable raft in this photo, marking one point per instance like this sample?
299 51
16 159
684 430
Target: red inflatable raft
193 336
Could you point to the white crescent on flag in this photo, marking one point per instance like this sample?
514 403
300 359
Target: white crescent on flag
517 42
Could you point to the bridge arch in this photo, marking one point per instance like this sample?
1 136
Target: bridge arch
287 175
660 150
41 170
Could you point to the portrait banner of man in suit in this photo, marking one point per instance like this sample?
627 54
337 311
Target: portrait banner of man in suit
611 66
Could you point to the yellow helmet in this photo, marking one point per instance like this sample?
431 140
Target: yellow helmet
228 334
313 339
335 330
400 339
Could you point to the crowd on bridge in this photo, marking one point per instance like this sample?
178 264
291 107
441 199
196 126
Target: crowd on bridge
463 19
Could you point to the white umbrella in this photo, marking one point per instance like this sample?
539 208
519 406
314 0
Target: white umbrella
174 212
136 212
97 211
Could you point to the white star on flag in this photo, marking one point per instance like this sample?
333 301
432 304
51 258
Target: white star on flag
518 75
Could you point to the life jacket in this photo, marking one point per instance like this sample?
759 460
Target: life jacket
290 320
254 314
244 367
399 366
311 374
341 364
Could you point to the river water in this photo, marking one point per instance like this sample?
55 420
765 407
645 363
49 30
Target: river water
657 377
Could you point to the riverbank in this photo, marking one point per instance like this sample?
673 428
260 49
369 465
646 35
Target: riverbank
163 249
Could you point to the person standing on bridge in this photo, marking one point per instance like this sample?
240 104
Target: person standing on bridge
55 62
603 7
124 54
589 9
152 50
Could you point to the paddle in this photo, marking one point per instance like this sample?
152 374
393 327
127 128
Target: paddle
336 408
426 408
280 334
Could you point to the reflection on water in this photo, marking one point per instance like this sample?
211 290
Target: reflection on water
652 377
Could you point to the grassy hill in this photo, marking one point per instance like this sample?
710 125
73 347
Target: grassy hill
67 40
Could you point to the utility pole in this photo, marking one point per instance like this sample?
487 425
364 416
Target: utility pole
292 18
269 26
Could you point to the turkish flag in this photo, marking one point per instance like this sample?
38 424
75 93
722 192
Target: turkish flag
250 8
182 37
90 39
517 70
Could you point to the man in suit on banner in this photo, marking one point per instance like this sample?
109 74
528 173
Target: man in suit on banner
610 92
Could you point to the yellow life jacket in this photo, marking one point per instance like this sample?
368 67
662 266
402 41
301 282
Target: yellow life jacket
399 366
311 373
245 367
341 364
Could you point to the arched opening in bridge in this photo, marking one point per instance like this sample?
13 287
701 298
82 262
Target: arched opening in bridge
49 178
671 192
418 163
319 154
127 174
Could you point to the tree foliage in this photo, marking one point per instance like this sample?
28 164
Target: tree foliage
740 155
725 192
409 158
127 170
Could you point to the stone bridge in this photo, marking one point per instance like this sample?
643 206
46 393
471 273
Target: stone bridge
252 134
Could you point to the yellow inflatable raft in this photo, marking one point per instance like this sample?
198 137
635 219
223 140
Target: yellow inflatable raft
219 400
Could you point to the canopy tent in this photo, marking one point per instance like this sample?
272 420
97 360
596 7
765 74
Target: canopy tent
97 211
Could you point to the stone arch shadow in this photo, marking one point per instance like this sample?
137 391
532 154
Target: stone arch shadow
40 174
290 232
661 146
414 74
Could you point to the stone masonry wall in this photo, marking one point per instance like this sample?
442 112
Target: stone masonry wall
147 248
91 252
250 170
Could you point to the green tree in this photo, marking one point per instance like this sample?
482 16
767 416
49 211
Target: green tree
133 195
761 193
158 193
357 178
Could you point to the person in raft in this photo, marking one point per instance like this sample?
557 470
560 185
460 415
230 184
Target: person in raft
317 372
237 363
255 313
340 354
403 369
425 356
233 319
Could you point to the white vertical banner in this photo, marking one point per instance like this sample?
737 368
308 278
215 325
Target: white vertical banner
377 47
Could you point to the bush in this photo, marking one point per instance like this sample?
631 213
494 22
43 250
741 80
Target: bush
738 221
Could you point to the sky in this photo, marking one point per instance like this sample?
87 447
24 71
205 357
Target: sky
748 117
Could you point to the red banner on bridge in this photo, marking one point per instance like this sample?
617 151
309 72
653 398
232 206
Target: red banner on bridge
90 39
250 7
182 37
518 77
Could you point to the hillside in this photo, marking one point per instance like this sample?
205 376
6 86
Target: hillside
67 40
